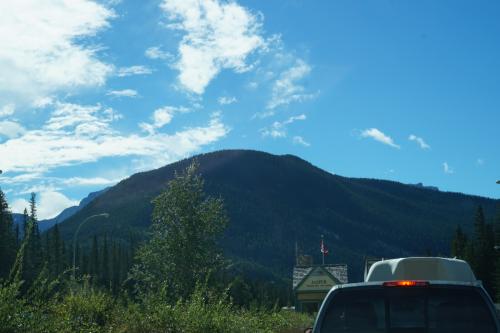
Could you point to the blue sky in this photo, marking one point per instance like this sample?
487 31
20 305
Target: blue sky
93 92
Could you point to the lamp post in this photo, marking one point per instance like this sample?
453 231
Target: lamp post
106 215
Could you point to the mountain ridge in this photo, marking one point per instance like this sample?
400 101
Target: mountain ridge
276 201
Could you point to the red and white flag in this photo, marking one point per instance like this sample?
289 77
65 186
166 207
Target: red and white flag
323 248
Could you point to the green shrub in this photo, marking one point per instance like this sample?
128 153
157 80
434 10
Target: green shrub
86 310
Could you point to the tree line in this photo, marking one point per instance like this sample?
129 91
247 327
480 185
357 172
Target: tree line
481 249
176 281
25 255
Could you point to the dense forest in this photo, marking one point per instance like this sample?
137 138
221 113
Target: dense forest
277 201
481 248
176 281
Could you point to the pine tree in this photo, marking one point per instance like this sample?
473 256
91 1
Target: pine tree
7 238
115 274
459 243
57 264
105 276
26 220
478 262
94 260
17 236
35 245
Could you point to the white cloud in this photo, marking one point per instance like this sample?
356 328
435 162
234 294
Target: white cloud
161 117
447 169
22 178
225 100
49 205
286 89
155 52
218 36
278 129
77 134
300 141
41 50
11 129
123 93
7 110
420 141
134 70
94 181
18 205
377 135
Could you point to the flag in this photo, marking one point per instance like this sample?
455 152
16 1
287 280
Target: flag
323 248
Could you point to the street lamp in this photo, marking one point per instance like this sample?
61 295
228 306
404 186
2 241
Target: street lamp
498 181
106 215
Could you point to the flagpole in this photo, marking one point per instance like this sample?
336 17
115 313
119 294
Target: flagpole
322 247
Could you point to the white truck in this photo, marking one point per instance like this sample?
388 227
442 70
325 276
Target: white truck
410 295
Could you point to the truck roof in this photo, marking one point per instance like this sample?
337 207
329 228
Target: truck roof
421 268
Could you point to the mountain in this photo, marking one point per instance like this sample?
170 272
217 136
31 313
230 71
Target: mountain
66 213
275 202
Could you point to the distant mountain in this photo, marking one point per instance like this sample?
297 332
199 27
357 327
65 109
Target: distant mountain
275 202
66 213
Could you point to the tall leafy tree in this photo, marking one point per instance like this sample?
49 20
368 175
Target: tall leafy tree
183 248
8 244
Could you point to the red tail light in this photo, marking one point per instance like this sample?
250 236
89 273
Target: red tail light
406 283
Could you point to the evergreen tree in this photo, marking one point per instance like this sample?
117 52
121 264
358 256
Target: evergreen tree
105 276
94 260
26 220
35 245
183 249
115 279
7 238
57 256
17 236
459 244
478 262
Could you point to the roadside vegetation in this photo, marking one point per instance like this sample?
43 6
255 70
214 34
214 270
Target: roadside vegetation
177 281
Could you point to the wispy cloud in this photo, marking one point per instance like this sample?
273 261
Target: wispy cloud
155 52
225 100
286 88
278 129
218 35
92 181
300 141
447 169
42 50
134 70
419 141
161 117
123 93
379 136
77 134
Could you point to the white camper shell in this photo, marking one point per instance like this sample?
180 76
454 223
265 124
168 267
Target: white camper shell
421 268
416 294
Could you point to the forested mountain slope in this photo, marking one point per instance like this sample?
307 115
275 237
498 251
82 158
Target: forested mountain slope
275 201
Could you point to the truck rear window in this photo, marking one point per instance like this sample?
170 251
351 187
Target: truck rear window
408 310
